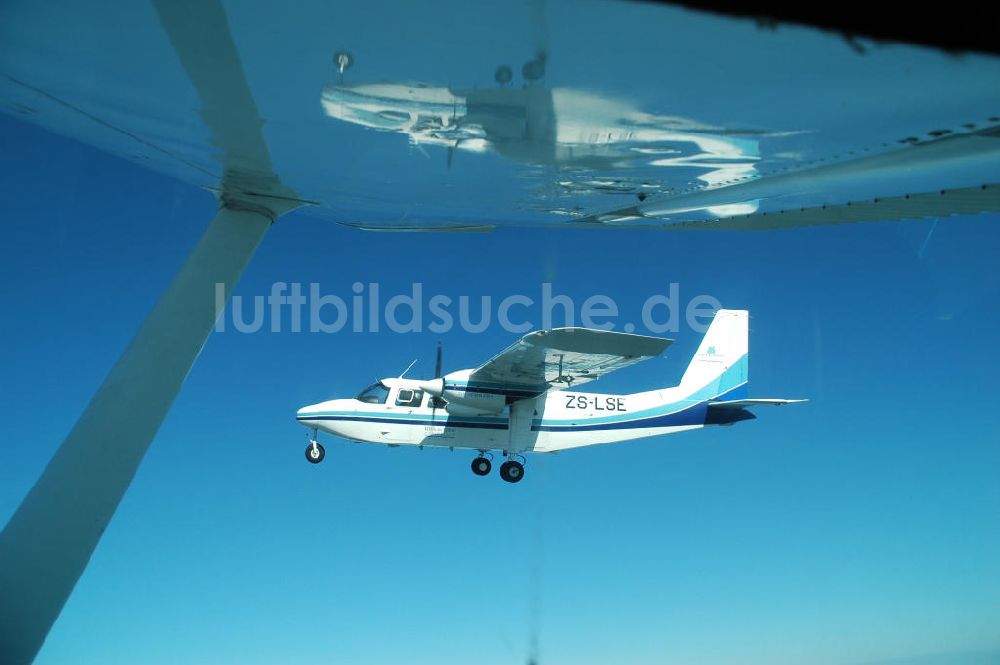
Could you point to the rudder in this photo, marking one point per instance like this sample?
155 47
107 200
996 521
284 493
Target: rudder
721 363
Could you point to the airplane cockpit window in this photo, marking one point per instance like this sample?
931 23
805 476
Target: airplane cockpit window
376 393
407 397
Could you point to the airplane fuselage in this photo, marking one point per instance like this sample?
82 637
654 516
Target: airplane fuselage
556 420
522 400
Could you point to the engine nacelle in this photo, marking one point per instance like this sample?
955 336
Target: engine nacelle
454 389
479 402
455 409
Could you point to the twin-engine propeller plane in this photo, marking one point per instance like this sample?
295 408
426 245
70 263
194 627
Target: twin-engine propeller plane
524 399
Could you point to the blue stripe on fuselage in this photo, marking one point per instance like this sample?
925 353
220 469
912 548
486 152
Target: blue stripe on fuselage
725 386
407 421
693 414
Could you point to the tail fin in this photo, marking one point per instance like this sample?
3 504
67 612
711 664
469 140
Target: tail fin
721 364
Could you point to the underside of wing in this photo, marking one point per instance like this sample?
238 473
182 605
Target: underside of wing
944 203
566 357
954 174
401 136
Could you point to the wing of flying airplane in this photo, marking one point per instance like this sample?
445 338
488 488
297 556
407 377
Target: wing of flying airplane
565 357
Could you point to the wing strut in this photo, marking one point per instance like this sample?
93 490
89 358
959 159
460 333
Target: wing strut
48 542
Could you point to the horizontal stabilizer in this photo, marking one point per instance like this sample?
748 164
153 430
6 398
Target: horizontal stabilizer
743 403
727 416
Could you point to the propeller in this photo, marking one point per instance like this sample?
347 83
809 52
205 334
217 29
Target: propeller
437 402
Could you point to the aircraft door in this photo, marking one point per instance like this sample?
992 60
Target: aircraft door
407 402
521 415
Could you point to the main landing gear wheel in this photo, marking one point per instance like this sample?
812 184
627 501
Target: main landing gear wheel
481 466
315 452
512 471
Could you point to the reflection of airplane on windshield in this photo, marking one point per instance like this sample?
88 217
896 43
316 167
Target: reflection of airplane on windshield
717 177
538 125
550 126
522 400
712 180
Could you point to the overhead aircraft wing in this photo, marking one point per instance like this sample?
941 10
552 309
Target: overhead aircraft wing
953 173
764 129
566 357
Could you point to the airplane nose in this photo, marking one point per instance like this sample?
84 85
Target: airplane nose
308 415
306 412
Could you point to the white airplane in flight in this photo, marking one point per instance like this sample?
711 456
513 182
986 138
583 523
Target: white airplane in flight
523 399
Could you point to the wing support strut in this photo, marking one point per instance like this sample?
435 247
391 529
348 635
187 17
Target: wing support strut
49 540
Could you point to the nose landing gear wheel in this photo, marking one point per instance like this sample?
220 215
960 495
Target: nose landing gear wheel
481 466
315 452
512 471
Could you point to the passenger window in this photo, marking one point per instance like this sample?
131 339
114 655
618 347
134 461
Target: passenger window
407 397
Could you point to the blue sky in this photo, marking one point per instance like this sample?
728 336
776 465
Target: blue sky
858 528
